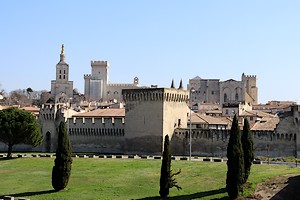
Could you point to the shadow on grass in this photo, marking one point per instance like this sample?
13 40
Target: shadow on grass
8 158
27 194
192 196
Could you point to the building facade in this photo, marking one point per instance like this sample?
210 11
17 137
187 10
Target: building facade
229 91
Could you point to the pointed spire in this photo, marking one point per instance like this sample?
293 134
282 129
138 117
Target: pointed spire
172 85
62 49
180 85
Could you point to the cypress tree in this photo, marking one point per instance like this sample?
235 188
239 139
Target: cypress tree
63 162
247 143
166 176
235 162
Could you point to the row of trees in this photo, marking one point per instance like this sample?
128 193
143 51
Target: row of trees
29 97
240 157
21 127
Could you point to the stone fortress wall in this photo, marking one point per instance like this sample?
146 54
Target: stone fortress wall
97 134
151 114
214 143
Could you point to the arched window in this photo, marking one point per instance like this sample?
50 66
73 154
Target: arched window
225 98
236 96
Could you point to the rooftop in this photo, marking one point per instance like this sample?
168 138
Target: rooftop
108 112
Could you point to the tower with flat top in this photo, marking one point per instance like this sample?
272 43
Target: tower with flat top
152 113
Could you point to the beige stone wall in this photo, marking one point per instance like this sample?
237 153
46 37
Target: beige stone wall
151 114
251 88
175 111
114 91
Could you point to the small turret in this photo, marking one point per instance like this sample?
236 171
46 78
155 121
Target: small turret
180 85
172 84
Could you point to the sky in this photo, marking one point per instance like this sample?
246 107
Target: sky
155 40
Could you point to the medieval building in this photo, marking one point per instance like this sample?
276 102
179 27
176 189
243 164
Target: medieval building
61 87
220 92
97 86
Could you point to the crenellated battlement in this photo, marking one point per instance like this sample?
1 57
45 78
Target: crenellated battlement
49 111
120 85
95 62
155 94
224 135
87 76
250 76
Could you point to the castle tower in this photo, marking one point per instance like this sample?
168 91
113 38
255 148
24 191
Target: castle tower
251 88
95 84
49 118
61 87
151 114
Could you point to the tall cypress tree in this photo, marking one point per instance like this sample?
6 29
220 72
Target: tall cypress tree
235 162
63 162
166 176
247 143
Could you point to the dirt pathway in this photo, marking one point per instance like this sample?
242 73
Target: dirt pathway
279 188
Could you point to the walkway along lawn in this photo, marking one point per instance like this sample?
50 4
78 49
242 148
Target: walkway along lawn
96 178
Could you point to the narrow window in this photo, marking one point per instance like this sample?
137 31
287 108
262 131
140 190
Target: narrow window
225 97
236 97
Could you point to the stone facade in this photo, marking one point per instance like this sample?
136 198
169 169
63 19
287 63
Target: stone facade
100 130
207 142
151 114
230 91
97 86
61 87
49 118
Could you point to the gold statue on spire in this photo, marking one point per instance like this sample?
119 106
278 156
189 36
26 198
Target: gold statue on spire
62 49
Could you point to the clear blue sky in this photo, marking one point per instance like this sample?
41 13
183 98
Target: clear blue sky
155 40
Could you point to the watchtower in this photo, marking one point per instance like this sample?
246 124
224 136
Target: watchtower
151 114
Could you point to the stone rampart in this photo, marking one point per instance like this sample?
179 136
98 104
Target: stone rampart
207 142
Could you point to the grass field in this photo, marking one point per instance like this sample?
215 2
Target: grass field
95 178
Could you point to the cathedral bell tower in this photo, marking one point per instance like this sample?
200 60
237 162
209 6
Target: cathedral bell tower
61 87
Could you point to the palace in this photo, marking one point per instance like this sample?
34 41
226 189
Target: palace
229 91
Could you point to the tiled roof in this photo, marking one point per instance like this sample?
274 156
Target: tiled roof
214 112
34 110
255 113
109 112
266 124
205 119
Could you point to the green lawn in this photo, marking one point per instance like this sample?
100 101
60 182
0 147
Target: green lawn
95 178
